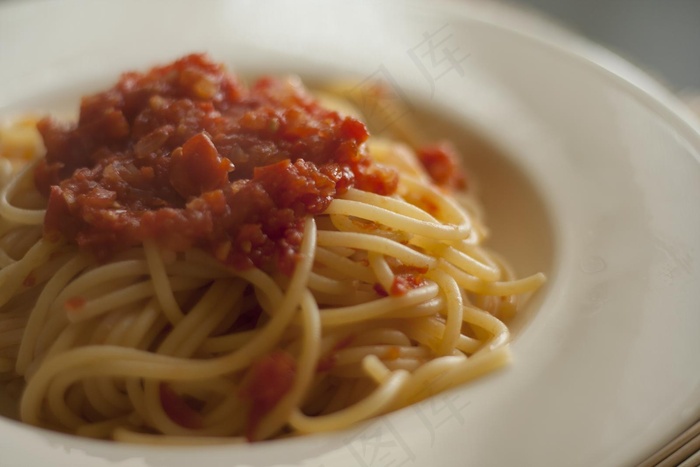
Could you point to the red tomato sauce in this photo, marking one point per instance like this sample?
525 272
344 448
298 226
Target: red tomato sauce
268 380
328 361
189 156
442 163
406 278
177 408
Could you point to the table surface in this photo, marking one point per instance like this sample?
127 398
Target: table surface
659 36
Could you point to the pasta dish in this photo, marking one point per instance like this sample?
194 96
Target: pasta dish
195 259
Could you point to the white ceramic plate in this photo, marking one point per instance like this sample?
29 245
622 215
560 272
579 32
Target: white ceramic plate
596 181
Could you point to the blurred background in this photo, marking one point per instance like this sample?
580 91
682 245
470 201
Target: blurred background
660 36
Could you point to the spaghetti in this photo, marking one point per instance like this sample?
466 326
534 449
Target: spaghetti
122 321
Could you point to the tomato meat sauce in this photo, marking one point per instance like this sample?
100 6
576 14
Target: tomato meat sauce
187 155
441 161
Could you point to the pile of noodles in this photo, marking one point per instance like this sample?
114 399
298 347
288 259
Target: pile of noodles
156 346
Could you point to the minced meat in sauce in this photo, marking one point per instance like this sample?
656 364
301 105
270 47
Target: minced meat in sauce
190 157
